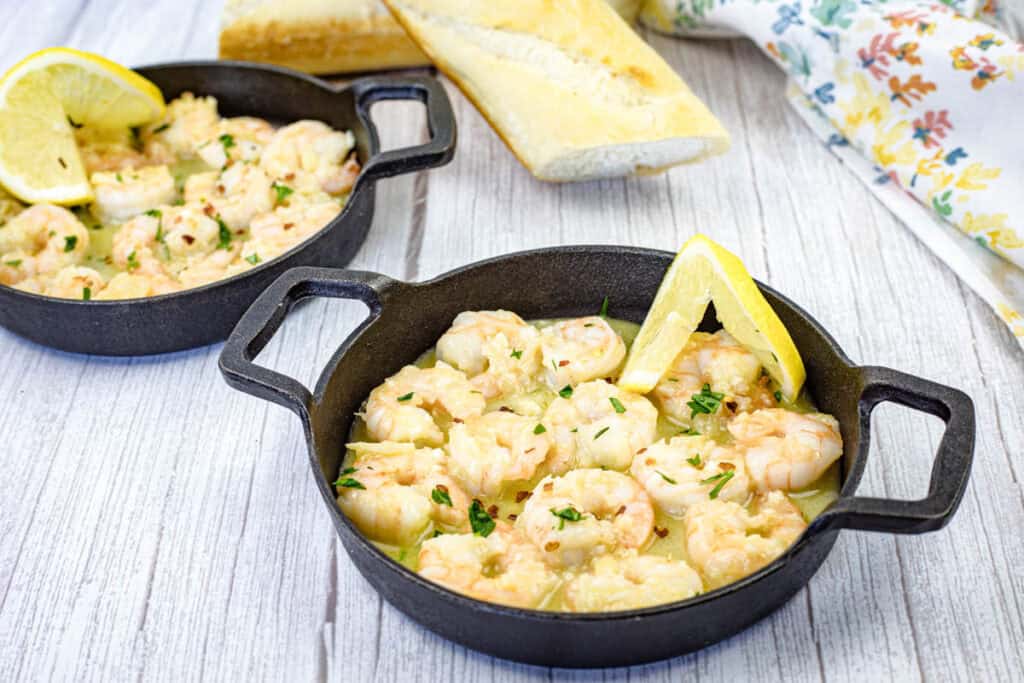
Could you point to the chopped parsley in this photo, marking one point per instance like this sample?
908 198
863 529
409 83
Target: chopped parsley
13 263
666 477
154 213
722 478
253 258
86 293
604 308
516 353
706 401
539 429
405 397
565 392
347 482
69 243
133 261
282 191
778 397
227 141
224 235
695 460
600 433
161 128
479 520
689 431
566 514
118 177
440 496
617 404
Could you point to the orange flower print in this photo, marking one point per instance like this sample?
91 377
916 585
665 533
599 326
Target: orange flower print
772 50
985 41
907 52
911 89
908 18
961 62
986 74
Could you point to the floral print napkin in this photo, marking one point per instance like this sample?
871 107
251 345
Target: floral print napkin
924 101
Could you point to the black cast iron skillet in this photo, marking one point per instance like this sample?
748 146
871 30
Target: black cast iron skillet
407 318
207 314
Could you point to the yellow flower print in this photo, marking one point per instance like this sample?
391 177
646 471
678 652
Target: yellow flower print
985 41
1012 65
888 152
928 165
975 175
866 106
972 223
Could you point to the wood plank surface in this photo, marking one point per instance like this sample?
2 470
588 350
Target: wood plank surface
156 525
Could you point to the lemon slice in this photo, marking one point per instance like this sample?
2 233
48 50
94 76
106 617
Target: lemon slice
39 98
703 272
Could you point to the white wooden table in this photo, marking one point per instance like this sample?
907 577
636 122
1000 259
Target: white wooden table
156 525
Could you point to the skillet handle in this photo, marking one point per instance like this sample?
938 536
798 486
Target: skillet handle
438 151
950 470
264 317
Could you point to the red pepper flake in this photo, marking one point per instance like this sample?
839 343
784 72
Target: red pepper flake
289 176
493 511
506 409
189 239
562 363
289 226
457 420
642 450
726 466
549 486
522 495
220 188
513 517
551 546
442 488
650 461
620 510
661 533
209 210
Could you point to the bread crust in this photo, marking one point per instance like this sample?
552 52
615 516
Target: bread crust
322 45
559 128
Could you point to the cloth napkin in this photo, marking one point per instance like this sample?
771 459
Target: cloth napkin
924 101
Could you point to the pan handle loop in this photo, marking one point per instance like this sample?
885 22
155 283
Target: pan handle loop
264 317
437 151
950 469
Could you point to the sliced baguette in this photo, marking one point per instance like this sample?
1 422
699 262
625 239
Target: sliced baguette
572 90
318 36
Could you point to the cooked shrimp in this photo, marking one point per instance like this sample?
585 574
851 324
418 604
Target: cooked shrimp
241 138
9 207
726 542
462 346
687 470
631 581
135 244
599 425
586 513
124 195
72 282
408 406
278 231
188 123
786 450
502 567
580 350
212 267
489 451
236 195
312 147
51 236
129 286
189 232
15 267
387 491
726 367
104 149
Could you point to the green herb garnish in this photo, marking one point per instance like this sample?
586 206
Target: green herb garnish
253 258
161 128
224 235
565 392
86 293
666 477
479 520
689 431
695 460
349 483
440 496
516 353
69 243
567 514
282 191
227 141
722 478
539 429
604 308
405 397
118 177
133 261
706 401
600 433
154 213
617 404
13 263
778 397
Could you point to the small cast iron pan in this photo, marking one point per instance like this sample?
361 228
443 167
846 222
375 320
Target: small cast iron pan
200 316
407 318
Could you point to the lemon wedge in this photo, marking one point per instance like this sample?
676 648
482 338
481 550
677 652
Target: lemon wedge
42 97
704 272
